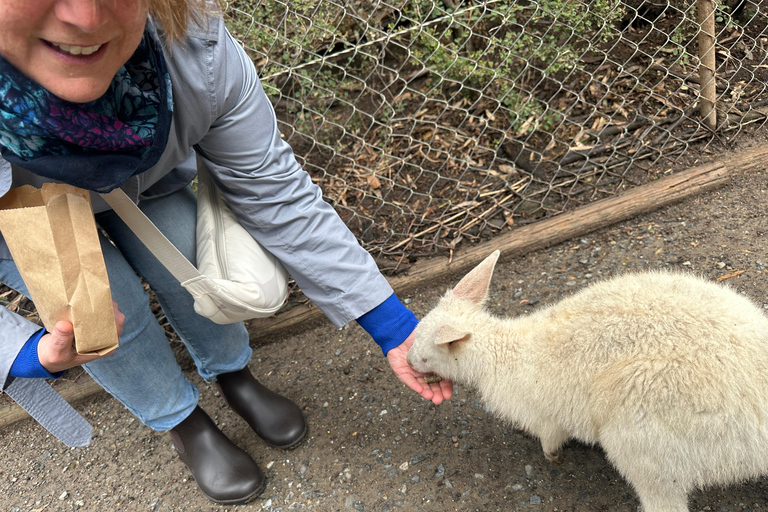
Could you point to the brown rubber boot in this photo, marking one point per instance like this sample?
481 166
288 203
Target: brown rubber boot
276 419
224 472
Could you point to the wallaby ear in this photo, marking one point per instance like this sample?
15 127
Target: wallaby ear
449 334
474 286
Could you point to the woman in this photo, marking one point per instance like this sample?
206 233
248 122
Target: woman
121 93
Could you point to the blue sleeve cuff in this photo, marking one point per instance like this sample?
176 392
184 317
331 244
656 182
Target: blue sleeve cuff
27 365
389 323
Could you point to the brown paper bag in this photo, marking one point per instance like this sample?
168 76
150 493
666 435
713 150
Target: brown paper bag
52 236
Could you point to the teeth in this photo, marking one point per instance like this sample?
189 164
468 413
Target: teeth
77 50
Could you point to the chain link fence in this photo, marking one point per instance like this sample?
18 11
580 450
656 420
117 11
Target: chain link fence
428 123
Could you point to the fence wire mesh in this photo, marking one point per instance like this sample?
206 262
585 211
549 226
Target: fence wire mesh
427 123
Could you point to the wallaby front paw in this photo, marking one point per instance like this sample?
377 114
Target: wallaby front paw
554 457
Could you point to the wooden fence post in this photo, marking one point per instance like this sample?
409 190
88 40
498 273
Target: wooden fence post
705 17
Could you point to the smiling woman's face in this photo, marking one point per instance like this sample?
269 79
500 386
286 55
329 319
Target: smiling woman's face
73 48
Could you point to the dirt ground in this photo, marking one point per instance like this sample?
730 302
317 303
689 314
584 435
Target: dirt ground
374 445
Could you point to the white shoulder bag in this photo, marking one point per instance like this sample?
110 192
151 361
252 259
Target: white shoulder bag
236 279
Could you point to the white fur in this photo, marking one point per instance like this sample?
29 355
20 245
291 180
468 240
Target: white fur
668 372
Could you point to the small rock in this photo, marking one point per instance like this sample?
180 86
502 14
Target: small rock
416 458
535 499
528 470
439 472
64 495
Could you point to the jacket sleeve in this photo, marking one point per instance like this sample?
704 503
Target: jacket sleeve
15 330
275 198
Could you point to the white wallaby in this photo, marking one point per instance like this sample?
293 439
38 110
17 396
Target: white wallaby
667 371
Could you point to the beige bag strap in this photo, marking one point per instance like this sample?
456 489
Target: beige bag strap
151 237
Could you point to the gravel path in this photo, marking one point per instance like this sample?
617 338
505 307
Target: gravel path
375 446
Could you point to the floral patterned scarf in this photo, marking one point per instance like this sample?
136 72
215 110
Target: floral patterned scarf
97 145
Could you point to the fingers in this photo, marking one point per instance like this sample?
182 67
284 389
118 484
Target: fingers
436 391
411 382
446 387
119 319
56 350
63 333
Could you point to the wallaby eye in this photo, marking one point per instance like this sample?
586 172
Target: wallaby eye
423 359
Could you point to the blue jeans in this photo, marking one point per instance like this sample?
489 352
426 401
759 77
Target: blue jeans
143 373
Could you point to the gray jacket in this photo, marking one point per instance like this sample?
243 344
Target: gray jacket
220 108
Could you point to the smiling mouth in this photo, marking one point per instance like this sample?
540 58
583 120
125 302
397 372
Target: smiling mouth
76 50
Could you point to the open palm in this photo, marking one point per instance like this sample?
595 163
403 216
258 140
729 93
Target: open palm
436 391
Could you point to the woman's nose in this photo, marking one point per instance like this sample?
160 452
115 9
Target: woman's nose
87 15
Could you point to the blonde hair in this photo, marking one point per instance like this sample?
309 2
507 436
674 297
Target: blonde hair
175 15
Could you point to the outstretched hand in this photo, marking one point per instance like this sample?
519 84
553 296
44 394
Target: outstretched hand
436 391
56 350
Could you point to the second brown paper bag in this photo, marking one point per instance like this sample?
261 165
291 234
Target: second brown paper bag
51 233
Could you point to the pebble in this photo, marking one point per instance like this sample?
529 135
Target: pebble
528 470
535 499
416 458
439 472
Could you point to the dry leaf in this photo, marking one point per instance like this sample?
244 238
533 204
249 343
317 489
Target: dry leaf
373 182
